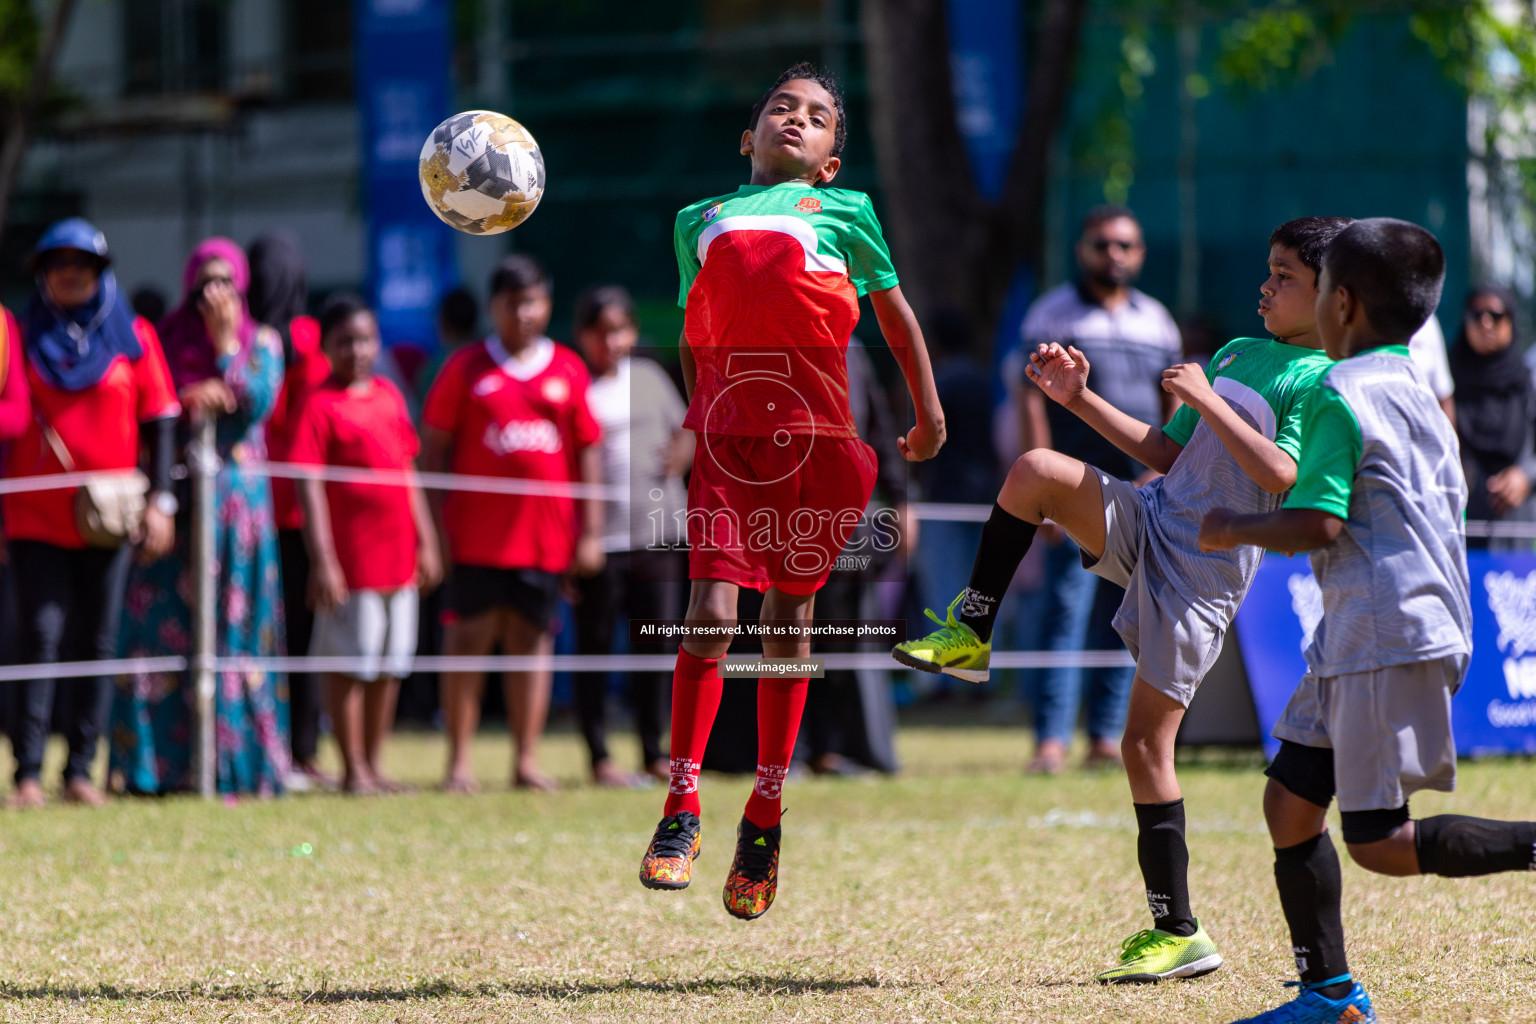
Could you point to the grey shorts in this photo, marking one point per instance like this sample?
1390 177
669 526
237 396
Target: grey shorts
1174 643
1389 729
376 628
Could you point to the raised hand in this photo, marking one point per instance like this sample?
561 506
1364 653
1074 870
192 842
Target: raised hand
1187 382
1062 373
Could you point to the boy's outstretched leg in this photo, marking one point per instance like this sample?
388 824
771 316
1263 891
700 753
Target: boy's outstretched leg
696 690
1041 485
1175 946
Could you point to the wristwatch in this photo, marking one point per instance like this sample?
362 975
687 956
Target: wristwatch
165 503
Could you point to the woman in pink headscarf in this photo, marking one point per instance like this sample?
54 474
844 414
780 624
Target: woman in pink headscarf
227 366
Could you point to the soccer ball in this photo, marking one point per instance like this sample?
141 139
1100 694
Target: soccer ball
481 172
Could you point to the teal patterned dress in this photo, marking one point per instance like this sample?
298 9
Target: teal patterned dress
152 713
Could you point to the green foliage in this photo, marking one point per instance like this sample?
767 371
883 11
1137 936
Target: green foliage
1265 47
18 48
1494 61
1270 47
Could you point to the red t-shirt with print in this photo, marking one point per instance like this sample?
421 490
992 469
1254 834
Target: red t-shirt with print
100 428
524 418
372 526
306 371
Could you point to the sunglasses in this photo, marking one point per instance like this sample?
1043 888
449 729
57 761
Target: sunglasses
1106 244
70 260
1496 315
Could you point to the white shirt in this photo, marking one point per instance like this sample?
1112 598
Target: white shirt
1427 347
639 410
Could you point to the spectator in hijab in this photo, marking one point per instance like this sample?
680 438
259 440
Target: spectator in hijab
1495 414
99 386
227 366
278 298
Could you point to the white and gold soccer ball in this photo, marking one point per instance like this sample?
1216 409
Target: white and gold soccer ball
481 172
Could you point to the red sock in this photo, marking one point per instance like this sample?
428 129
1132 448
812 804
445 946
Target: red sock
780 703
696 691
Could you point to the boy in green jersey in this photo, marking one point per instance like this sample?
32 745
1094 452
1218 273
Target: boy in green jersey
1380 501
1234 443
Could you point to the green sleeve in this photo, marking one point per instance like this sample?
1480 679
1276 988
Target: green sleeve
1181 427
683 241
1331 447
869 261
1288 432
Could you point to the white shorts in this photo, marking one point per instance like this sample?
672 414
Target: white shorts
1389 729
1174 643
377 628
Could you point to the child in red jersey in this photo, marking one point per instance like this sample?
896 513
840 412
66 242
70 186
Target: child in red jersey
515 406
771 277
371 546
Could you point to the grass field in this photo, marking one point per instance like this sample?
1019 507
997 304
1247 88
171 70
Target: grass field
960 891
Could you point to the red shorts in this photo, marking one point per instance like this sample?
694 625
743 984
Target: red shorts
775 512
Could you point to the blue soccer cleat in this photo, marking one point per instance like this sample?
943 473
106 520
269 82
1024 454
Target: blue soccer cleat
1312 1007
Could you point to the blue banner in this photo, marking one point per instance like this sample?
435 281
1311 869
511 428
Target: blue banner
1495 710
986 67
403 90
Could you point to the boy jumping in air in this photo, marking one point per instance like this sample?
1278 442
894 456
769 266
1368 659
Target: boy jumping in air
1379 501
771 278
1234 442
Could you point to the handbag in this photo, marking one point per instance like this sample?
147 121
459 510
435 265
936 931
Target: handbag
109 509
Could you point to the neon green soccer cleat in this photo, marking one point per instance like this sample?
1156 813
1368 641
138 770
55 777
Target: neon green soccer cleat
953 649
1152 955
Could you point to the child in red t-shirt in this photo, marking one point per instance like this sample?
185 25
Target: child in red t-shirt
515 406
371 546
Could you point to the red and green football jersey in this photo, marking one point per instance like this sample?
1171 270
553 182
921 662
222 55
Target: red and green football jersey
771 279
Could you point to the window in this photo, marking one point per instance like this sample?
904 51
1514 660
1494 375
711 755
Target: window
175 46
318 40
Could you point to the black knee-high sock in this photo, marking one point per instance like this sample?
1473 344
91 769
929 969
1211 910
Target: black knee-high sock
1311 893
1456 846
1004 541
1164 859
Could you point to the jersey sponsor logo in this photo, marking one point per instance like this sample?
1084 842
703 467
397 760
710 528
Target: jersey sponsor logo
809 205
556 390
711 213
523 436
487 385
1228 361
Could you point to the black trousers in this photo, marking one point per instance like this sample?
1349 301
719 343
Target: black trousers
69 604
848 713
634 585
304 697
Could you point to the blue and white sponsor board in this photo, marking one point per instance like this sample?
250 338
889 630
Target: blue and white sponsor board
1495 710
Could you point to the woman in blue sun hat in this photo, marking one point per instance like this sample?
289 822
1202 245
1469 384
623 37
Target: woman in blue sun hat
101 395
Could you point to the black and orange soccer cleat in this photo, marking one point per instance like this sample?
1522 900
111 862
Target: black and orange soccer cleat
668 862
754 877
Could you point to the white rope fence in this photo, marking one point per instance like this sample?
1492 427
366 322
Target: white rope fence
204 665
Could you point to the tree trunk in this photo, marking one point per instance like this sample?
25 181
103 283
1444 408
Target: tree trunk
19 117
936 216
952 248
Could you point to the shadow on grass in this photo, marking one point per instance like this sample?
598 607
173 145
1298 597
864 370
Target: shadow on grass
757 984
